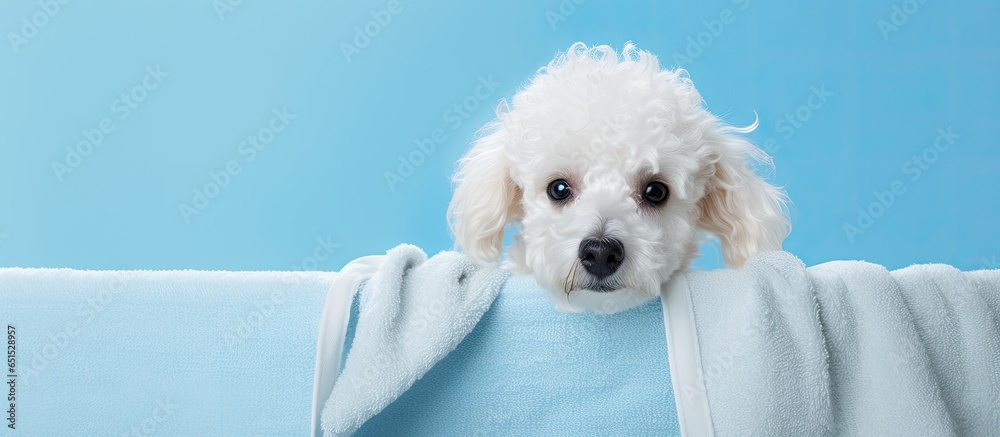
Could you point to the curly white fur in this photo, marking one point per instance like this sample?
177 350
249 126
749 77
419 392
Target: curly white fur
608 124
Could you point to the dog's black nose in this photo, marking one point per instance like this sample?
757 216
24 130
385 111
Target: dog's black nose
601 256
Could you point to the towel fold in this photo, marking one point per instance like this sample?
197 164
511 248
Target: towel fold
842 348
412 312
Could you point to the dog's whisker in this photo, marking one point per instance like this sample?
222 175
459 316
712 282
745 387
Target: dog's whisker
576 273
570 280
565 281
574 279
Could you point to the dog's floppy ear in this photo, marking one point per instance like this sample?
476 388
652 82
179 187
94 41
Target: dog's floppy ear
747 214
485 198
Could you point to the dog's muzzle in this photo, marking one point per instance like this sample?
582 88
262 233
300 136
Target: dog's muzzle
601 256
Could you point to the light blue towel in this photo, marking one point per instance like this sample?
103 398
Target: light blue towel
165 353
528 369
525 369
843 348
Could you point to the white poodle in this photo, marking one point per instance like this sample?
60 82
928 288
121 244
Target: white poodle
607 167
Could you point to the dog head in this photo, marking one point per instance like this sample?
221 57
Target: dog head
608 167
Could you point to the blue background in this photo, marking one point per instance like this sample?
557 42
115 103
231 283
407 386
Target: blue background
323 177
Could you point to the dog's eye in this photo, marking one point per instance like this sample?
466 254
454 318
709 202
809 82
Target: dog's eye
656 193
559 190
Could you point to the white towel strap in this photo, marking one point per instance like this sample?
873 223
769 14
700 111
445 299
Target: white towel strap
333 330
685 359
